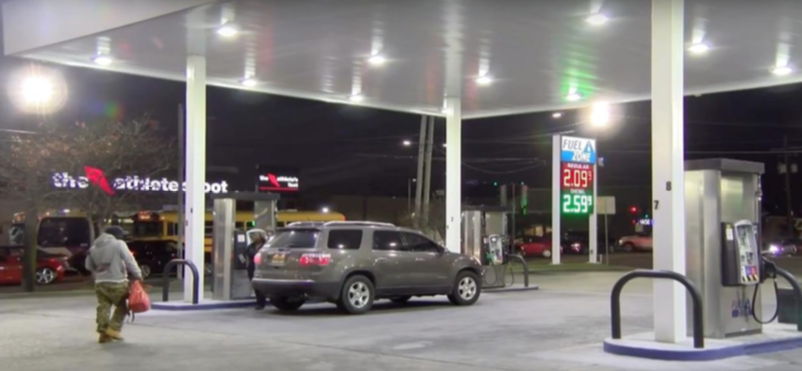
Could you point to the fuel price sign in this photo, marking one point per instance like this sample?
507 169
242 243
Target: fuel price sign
577 172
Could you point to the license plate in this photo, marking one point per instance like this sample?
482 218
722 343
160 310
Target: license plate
279 258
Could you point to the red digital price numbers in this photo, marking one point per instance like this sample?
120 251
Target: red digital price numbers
576 175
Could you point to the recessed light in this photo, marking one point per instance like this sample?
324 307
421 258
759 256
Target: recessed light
597 19
484 80
356 98
102 60
557 115
573 96
377 60
227 30
249 82
600 114
699 48
782 70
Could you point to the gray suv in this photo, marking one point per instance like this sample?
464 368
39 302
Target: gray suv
353 264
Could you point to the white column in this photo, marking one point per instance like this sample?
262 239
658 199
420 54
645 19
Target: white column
453 173
556 202
195 207
668 182
593 231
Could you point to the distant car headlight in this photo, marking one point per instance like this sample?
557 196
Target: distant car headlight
575 245
774 249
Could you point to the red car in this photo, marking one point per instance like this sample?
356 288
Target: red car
50 268
536 246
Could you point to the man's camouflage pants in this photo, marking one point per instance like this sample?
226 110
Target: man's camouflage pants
111 294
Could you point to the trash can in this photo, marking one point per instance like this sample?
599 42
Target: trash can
788 306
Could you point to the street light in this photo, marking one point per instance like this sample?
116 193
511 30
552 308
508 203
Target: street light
600 114
37 90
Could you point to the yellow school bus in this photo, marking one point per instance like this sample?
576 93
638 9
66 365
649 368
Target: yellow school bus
163 225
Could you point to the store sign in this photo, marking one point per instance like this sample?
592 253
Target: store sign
578 150
577 172
96 177
270 182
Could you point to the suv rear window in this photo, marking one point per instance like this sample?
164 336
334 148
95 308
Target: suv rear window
345 239
294 238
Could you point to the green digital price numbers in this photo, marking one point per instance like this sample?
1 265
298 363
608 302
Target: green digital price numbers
577 203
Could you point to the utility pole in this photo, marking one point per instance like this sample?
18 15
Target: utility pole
789 209
427 185
419 186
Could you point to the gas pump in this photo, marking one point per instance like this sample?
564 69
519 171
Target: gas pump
722 212
494 251
230 244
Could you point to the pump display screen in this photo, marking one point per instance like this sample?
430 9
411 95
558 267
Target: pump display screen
577 172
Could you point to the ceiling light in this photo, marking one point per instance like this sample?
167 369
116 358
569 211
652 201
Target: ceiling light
597 19
557 115
102 60
356 98
227 30
699 48
573 96
484 80
376 60
782 70
249 82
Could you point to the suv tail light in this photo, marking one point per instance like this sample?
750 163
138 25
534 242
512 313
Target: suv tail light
257 259
315 259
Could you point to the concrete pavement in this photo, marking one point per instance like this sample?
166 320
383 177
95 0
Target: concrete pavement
559 327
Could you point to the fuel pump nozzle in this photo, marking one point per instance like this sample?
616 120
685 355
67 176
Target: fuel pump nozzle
768 269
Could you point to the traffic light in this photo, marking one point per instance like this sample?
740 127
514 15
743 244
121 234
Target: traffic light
633 209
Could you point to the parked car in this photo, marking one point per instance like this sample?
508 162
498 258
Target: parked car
153 256
353 264
49 267
536 246
637 242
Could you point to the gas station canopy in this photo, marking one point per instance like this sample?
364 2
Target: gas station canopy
531 55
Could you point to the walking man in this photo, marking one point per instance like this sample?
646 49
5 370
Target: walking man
110 262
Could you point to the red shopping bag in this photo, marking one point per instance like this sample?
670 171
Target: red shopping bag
138 299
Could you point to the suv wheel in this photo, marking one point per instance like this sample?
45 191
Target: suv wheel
286 304
146 270
400 299
466 289
357 295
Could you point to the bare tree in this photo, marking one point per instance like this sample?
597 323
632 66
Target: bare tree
69 166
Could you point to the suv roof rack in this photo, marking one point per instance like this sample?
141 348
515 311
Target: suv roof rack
358 223
306 224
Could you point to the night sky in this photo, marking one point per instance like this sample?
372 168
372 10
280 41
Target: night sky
349 150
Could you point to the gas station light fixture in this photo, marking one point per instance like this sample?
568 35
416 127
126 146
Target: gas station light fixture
249 82
573 96
356 98
484 80
557 115
597 19
102 60
699 48
782 70
228 30
377 60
